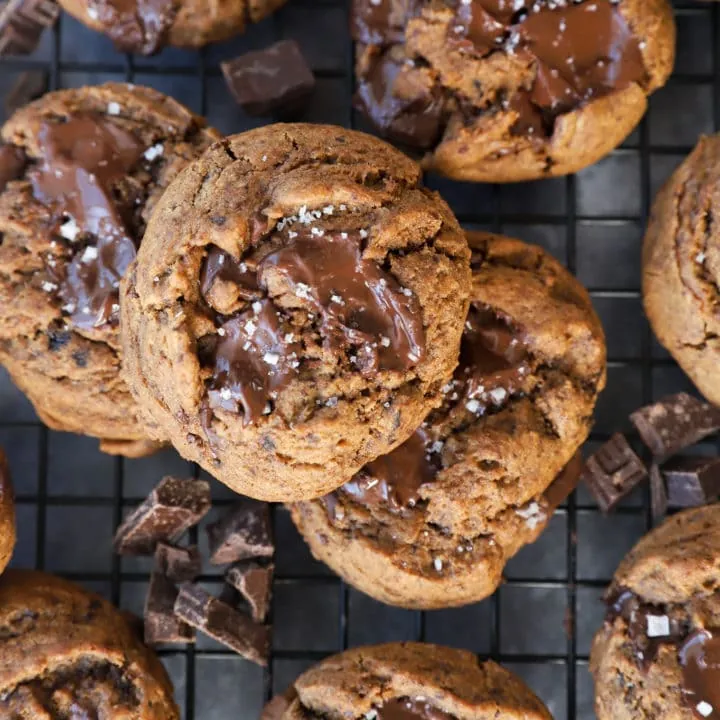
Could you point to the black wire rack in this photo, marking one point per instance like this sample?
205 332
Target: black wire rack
541 621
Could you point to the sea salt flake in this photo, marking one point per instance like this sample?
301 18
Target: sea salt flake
257 307
438 564
498 395
302 291
705 708
473 406
48 286
154 152
221 332
700 258
69 229
89 254
113 108
271 358
363 234
533 515
407 292
225 394
658 626
385 341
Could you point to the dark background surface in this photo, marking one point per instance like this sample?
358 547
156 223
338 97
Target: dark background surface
541 621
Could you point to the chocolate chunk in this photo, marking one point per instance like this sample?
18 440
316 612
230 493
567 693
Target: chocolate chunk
612 472
139 26
254 582
700 661
223 623
161 623
270 80
658 494
674 423
241 533
381 22
22 23
692 481
29 86
565 482
12 164
171 508
179 564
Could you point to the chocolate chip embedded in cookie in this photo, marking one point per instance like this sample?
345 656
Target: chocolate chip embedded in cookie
681 267
7 514
433 523
69 653
80 172
295 309
402 681
658 654
497 91
146 26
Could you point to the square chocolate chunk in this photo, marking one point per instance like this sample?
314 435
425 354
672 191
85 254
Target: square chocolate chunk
22 23
161 623
241 533
171 508
178 564
674 423
254 582
223 623
274 79
612 472
692 481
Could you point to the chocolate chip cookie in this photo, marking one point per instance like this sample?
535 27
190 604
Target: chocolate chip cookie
67 653
146 26
80 172
505 90
658 654
403 681
296 306
681 267
433 523
7 514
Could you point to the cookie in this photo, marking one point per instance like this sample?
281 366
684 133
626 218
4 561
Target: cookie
295 308
500 91
80 172
681 267
402 681
7 514
67 653
142 27
658 654
432 524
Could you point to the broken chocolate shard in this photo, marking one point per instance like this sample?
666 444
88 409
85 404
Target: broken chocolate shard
241 533
612 472
276 79
22 23
565 482
692 481
228 626
171 508
658 494
254 582
29 86
674 423
161 623
178 564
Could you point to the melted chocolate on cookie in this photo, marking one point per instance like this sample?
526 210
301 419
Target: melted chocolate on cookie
698 650
580 51
135 25
81 161
410 709
359 309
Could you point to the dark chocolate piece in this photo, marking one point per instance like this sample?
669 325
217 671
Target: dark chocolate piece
692 481
22 23
612 472
406 708
381 22
674 423
223 623
178 564
241 533
171 508
12 164
138 26
161 623
270 80
82 160
658 494
700 661
565 482
29 86
254 582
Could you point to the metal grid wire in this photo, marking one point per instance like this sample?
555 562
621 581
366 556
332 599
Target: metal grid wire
540 623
